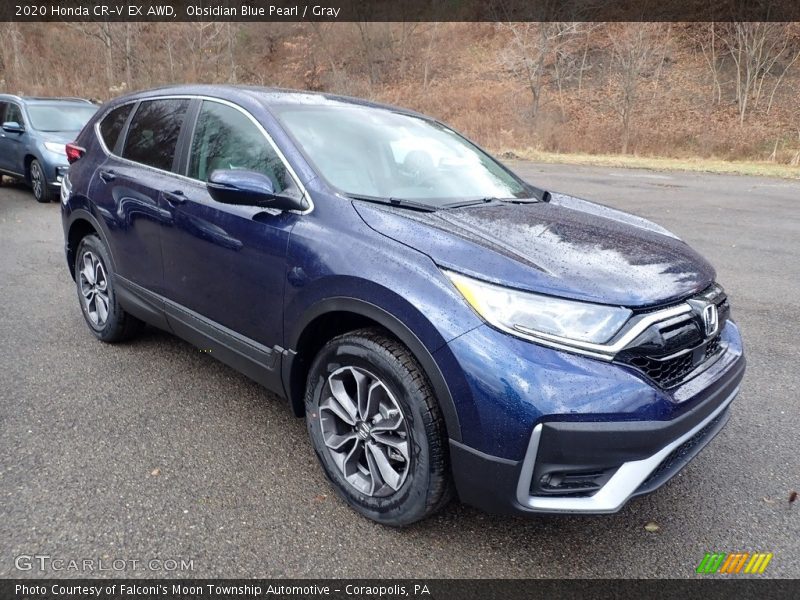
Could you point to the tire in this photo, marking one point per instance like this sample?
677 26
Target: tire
107 320
39 185
399 421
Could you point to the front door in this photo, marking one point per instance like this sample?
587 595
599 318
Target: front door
227 264
12 144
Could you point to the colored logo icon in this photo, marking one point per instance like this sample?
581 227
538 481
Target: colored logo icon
736 562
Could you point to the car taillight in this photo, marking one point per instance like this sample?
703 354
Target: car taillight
74 152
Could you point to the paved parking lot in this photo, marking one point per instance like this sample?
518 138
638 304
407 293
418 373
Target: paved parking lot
152 450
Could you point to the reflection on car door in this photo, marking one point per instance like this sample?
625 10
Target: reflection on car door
227 263
127 190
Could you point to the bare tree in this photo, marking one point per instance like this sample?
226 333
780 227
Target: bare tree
129 52
403 41
230 43
795 160
711 54
569 59
526 56
11 55
103 33
426 67
588 29
758 49
635 54
543 54
378 45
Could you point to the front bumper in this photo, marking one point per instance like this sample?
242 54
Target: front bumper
60 172
595 465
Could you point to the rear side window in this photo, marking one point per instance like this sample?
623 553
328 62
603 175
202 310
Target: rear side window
112 124
153 133
3 107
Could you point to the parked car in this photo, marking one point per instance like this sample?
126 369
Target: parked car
441 324
34 134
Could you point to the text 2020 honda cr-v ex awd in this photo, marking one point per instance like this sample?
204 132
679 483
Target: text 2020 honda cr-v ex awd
442 325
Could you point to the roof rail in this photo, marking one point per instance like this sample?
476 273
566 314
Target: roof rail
71 98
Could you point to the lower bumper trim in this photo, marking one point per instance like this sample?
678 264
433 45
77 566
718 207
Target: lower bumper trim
627 481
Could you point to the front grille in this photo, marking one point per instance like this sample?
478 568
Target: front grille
714 346
669 353
665 373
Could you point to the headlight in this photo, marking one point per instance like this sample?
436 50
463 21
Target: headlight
543 318
57 148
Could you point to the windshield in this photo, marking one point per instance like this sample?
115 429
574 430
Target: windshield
51 117
372 152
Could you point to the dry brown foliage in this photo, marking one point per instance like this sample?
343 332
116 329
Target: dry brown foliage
725 90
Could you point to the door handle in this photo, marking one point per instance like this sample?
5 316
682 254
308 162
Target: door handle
108 176
176 197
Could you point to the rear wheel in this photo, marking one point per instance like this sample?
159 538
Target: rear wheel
107 320
377 429
39 184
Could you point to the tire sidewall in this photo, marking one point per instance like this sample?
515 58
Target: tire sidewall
409 503
91 243
43 196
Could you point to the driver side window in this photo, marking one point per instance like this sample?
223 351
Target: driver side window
13 113
225 138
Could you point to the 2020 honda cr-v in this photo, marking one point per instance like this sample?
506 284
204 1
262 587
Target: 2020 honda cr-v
442 325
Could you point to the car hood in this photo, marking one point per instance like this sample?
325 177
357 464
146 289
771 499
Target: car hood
566 247
61 137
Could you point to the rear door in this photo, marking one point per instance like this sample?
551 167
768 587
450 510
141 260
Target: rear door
127 188
227 264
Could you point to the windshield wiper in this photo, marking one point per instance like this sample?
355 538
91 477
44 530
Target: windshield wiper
399 202
475 202
537 195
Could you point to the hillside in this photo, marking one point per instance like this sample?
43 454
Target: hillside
727 91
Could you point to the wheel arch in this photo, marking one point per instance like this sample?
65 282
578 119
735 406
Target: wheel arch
335 316
29 158
83 223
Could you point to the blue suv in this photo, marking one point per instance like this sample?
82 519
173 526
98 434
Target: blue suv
443 326
33 138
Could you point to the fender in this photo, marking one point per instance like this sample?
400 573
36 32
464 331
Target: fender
397 328
84 214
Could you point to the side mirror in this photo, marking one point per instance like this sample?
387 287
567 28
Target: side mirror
13 127
248 188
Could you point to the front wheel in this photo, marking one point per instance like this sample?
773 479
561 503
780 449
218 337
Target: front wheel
39 185
377 429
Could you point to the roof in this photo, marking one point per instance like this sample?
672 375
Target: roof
264 95
46 99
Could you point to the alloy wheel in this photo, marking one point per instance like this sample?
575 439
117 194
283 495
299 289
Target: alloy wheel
37 181
94 288
365 432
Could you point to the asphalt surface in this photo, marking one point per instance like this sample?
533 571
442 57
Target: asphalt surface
153 450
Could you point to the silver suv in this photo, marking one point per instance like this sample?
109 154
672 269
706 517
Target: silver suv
33 138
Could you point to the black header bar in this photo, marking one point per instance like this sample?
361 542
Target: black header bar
398 10
706 588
